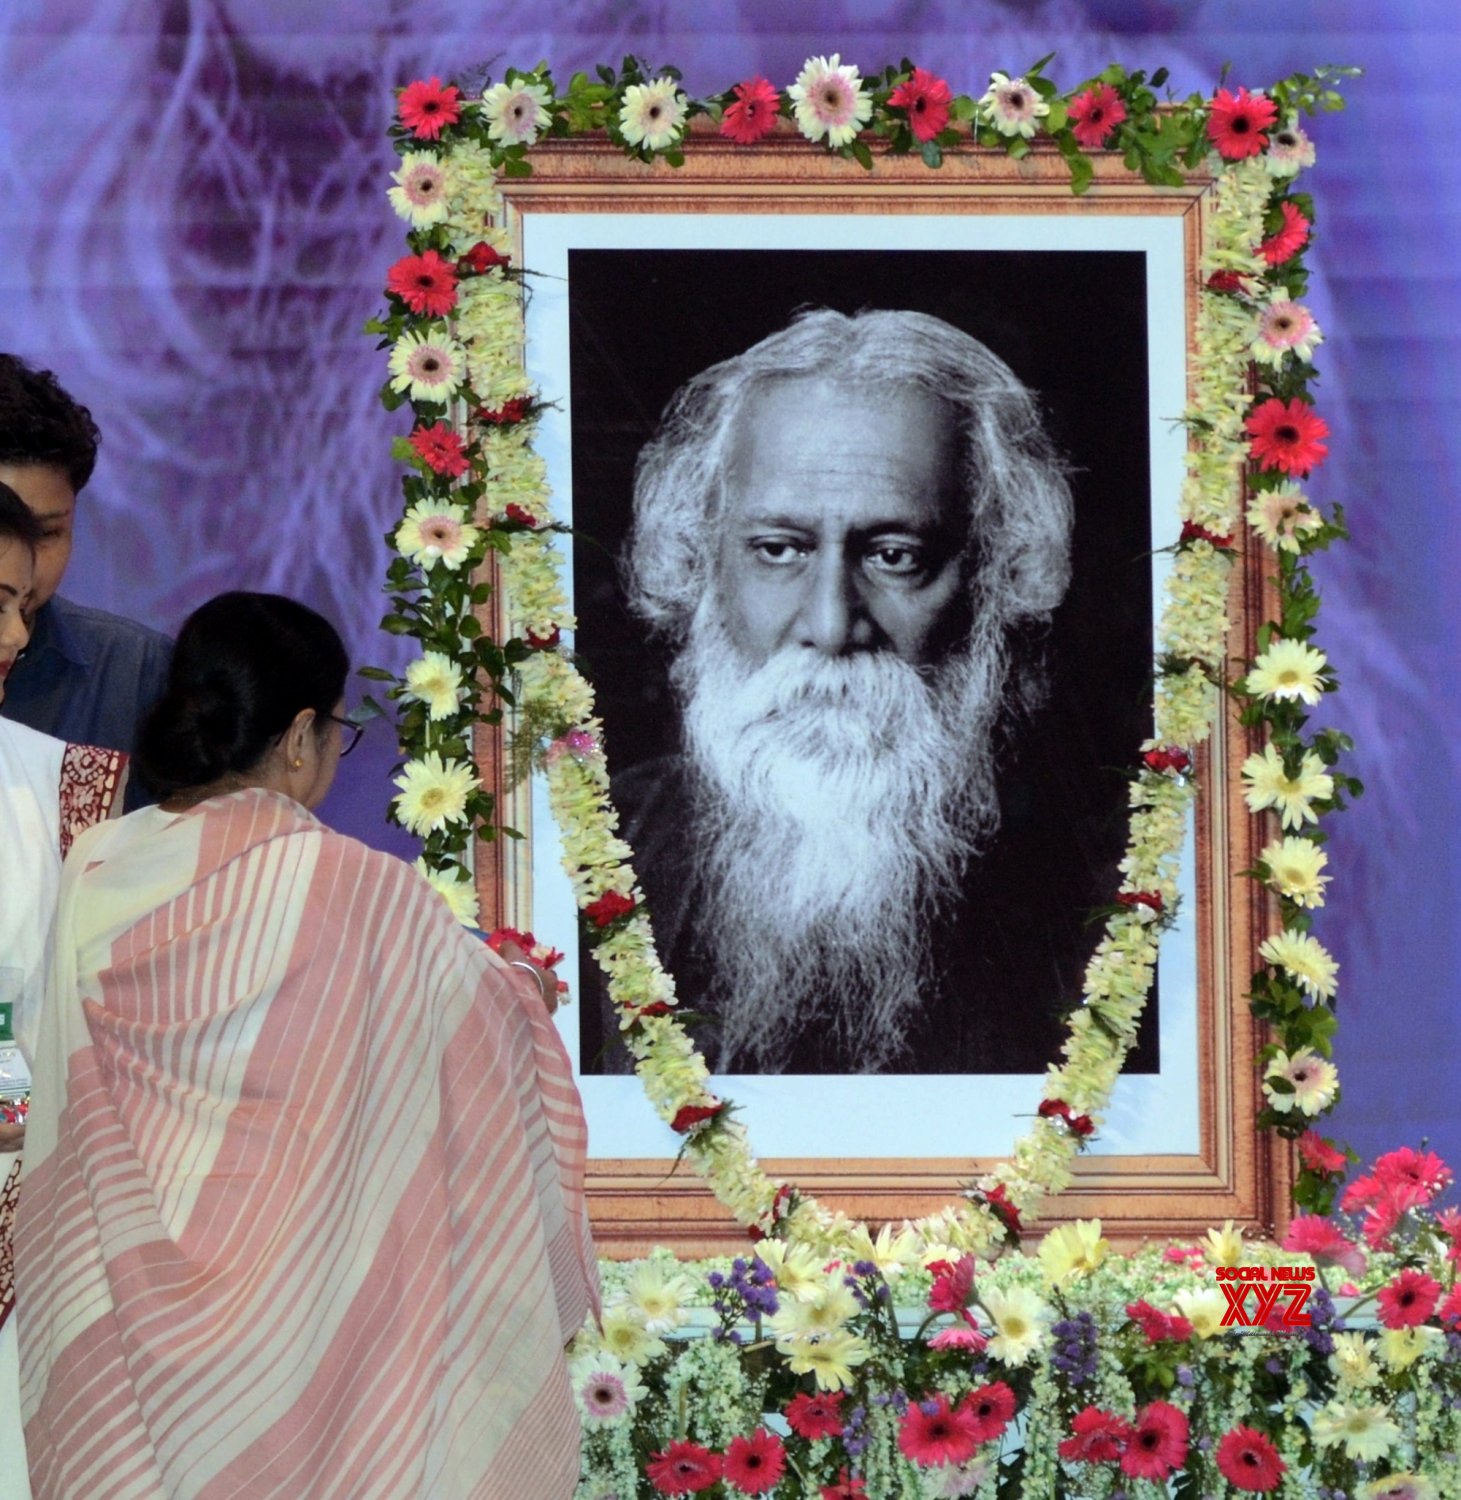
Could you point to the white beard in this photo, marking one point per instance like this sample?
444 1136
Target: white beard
839 802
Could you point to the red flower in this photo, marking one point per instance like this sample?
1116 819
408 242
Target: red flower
608 908
753 113
815 1416
1320 1155
515 512
441 448
481 257
1098 1436
426 283
926 97
654 1008
1413 1177
1058 1109
426 109
992 1407
543 642
1225 281
683 1469
1095 114
754 1464
1158 1325
1317 1238
1236 122
688 1116
1290 238
1287 435
1408 1300
1168 758
952 1284
932 1434
1192 532
996 1200
1151 899
1158 1442
1450 1312
1249 1461
845 1489
506 414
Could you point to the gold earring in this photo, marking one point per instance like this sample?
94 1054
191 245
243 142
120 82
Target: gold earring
297 763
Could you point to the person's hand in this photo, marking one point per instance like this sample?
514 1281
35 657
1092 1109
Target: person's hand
12 1137
547 978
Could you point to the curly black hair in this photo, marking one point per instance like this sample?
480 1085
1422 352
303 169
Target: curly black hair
41 424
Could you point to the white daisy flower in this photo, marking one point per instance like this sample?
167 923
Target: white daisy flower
829 101
1285 328
423 185
1314 1080
436 532
455 888
435 680
427 366
1306 961
1281 516
1288 669
434 793
652 114
1012 106
1295 869
516 112
1289 151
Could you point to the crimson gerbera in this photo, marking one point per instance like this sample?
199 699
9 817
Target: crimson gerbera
926 97
426 283
992 1407
815 1416
1236 122
752 113
684 1468
1408 1300
1097 1436
482 257
1321 1155
1095 114
932 1434
1288 239
1287 435
754 1464
441 448
846 1488
1158 1442
427 107
1249 1461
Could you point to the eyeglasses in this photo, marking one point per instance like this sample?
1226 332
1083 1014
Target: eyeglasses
355 731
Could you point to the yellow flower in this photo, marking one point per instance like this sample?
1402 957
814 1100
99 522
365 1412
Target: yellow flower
826 1310
1305 960
626 1335
1288 669
1400 1487
827 1357
1224 1246
1366 1431
1401 1347
433 793
1295 869
1270 785
1071 1250
455 888
1204 1309
1352 1362
660 1294
435 680
1020 1319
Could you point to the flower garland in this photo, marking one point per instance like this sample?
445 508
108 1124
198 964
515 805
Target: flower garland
454 330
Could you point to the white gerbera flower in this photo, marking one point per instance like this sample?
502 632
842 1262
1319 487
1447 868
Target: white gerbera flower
516 112
434 793
1296 870
435 680
1305 960
423 185
1270 785
1012 106
626 1335
1366 1431
1281 516
829 101
661 1294
796 1268
1288 669
1314 1080
652 114
1285 328
829 1308
456 889
436 532
1204 1308
427 366
1289 151
605 1388
1020 1319
1352 1363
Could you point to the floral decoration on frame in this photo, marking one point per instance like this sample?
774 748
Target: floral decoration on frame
453 326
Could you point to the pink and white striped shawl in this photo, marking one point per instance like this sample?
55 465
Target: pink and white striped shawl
303 1211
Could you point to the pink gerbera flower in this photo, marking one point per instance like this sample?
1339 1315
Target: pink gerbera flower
1236 122
1291 237
1284 326
441 448
815 1416
604 1395
1249 1461
1095 114
926 97
992 1408
427 107
684 1468
952 1284
1287 435
752 114
960 1336
931 1433
1408 1300
1414 1177
1158 1443
1319 1154
1097 1437
1317 1237
754 1464
426 283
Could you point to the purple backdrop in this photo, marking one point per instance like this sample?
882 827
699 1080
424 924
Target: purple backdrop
194 228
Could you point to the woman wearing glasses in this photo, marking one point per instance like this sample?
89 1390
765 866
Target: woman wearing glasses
304 1206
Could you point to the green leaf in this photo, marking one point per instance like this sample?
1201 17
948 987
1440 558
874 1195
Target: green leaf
931 154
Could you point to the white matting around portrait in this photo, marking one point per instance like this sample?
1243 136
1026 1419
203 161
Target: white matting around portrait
871 1115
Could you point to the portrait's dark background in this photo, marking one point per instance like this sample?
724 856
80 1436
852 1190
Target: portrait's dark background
193 227
642 322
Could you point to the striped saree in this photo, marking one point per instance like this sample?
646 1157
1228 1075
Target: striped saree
303 1211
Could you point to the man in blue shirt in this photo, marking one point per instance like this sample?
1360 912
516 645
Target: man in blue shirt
87 676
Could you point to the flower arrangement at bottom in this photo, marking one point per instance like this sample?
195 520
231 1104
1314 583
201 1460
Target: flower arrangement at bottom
1070 1372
